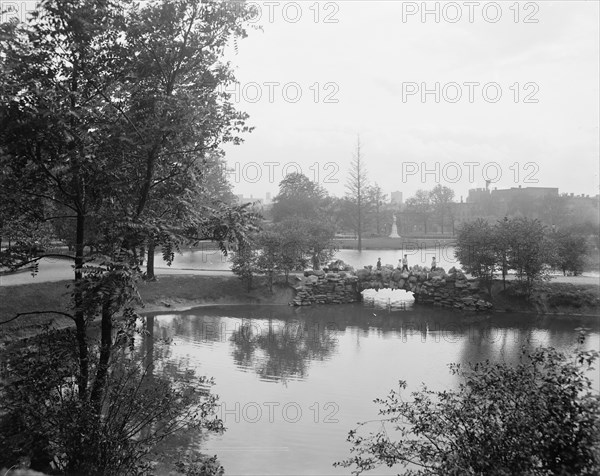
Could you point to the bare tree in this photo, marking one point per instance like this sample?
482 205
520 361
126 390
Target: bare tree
356 187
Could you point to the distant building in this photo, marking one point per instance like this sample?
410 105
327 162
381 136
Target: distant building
530 193
544 203
478 195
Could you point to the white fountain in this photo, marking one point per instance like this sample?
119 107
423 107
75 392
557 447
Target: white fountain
394 233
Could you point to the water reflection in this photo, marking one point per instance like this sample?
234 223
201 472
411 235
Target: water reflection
315 359
282 350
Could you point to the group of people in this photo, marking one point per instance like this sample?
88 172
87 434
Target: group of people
403 264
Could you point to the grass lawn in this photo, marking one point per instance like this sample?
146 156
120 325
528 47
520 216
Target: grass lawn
169 292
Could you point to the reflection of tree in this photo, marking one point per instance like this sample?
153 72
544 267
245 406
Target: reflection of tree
155 356
278 353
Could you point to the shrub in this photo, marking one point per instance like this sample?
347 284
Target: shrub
539 417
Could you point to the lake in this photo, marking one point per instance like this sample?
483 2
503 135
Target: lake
211 259
294 381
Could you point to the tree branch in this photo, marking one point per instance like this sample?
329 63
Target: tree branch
37 312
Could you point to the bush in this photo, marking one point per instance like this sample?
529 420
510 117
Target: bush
539 417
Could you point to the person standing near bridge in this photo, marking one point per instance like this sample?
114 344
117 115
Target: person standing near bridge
405 263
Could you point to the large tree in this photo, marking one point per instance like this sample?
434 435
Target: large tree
106 109
420 206
298 197
441 197
476 250
376 200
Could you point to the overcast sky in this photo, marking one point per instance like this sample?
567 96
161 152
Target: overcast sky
371 66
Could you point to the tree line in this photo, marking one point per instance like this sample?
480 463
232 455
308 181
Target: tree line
523 245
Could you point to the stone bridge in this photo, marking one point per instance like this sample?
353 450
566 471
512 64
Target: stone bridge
342 284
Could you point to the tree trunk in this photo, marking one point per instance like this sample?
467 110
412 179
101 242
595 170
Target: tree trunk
359 230
150 261
149 345
105 350
80 326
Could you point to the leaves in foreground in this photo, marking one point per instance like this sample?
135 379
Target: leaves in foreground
539 417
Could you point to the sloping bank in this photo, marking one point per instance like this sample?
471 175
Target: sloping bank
178 292
169 292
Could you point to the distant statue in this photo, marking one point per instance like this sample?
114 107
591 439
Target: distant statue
394 233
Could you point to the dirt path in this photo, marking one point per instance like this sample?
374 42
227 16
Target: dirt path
52 270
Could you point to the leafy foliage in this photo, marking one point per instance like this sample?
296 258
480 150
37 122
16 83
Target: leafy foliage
420 205
441 198
475 249
530 251
244 264
570 251
109 113
520 244
540 417
285 247
45 421
298 197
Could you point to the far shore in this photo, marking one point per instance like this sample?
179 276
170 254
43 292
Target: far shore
404 242
175 293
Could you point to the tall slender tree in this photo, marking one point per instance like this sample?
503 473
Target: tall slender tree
356 189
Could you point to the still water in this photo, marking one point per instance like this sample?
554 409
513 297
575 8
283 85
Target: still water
294 381
206 257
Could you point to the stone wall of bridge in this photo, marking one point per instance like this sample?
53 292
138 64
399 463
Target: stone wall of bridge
449 289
